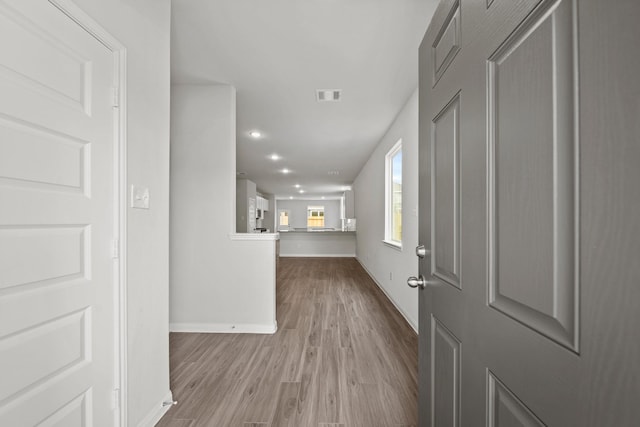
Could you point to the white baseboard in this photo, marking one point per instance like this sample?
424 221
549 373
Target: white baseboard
157 412
224 328
400 310
317 255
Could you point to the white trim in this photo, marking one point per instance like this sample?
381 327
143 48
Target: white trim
123 236
400 310
159 410
232 161
395 245
254 236
86 22
317 255
89 24
224 328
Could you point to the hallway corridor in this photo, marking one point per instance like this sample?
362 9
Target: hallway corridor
342 357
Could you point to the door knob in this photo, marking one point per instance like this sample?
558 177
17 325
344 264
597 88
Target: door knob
421 251
416 282
419 282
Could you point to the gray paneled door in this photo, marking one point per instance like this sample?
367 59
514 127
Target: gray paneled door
530 213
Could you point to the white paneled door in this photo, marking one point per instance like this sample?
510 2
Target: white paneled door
57 221
530 206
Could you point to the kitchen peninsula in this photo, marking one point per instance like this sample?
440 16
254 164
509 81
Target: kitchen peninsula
320 242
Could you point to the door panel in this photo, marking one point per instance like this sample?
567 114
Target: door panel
445 371
445 179
66 86
447 43
57 282
533 181
505 409
57 252
528 135
37 148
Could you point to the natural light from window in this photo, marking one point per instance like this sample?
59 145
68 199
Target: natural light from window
315 216
393 196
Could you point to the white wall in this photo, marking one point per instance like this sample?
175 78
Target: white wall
317 244
379 259
298 212
220 281
143 26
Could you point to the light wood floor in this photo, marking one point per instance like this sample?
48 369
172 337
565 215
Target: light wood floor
342 357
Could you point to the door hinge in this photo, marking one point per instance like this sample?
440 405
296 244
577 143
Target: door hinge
115 97
115 403
115 249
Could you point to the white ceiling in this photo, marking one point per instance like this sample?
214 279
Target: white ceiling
277 53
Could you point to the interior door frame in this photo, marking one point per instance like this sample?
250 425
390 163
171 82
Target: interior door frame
119 163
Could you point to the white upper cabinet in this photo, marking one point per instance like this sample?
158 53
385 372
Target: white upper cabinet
262 204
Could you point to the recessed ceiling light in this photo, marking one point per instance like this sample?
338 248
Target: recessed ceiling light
285 171
301 191
274 157
297 185
322 197
255 134
290 197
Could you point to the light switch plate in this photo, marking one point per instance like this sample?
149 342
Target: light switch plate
139 197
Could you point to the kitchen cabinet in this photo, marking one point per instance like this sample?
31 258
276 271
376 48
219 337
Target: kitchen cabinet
263 204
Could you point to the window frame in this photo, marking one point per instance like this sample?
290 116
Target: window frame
388 196
319 210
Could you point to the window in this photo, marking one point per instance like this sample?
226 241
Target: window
283 219
393 195
315 216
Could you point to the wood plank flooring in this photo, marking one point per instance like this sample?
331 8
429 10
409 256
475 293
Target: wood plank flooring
342 357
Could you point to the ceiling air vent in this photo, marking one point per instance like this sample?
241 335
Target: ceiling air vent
328 95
